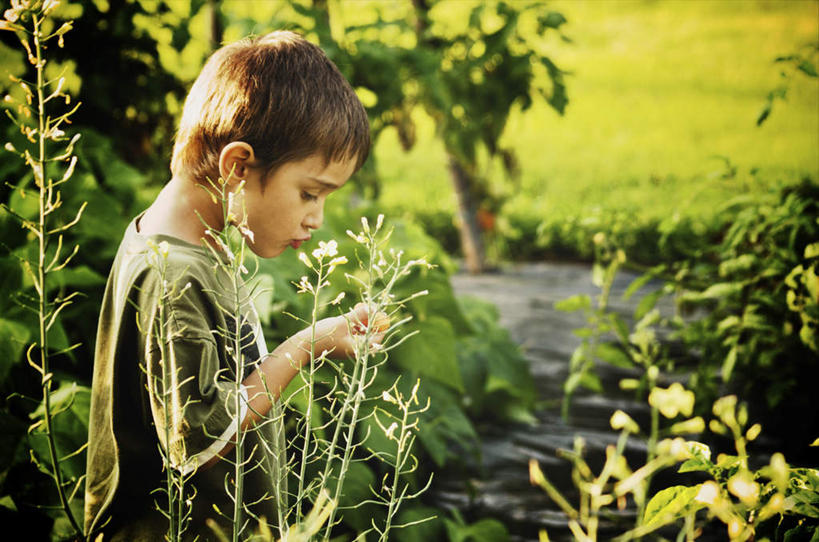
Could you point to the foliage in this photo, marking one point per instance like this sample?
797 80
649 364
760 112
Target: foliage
751 303
639 155
112 65
46 146
776 499
804 63
751 324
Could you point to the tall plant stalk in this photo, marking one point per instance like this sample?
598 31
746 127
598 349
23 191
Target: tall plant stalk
28 20
229 253
178 469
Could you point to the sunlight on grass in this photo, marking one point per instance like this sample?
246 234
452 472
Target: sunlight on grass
658 91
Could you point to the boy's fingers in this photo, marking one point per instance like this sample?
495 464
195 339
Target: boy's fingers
381 322
360 319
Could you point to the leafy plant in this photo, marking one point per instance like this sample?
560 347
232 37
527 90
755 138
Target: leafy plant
800 62
753 305
48 152
748 502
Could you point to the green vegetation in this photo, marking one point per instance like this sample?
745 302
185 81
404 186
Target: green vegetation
687 151
660 126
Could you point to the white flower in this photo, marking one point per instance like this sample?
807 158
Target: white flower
357 237
247 232
328 249
304 285
391 429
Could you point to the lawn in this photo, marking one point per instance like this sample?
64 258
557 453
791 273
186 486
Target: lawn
664 98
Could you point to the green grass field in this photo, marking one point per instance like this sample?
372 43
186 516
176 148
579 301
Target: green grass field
658 90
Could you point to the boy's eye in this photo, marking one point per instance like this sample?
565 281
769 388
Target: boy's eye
307 196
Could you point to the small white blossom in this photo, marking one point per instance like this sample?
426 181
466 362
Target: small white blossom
357 237
391 429
325 250
304 285
247 232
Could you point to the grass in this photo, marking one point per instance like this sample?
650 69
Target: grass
657 91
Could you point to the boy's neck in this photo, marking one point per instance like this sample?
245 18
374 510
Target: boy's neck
174 212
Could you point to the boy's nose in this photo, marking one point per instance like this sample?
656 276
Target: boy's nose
314 219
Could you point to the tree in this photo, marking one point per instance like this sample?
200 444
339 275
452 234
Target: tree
469 83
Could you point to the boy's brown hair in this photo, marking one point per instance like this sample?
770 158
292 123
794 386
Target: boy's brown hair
280 94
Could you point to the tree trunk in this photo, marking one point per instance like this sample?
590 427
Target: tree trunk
470 231
462 181
217 27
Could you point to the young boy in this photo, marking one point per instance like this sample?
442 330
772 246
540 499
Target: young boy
273 113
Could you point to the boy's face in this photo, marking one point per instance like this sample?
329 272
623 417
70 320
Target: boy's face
283 208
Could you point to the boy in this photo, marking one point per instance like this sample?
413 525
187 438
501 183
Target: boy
275 114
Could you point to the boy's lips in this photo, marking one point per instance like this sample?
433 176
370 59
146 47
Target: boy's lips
296 243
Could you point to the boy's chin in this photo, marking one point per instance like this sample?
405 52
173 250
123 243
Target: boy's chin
267 252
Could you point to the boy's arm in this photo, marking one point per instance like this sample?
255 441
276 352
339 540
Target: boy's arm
278 368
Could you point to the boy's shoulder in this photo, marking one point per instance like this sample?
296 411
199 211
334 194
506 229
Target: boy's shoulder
170 257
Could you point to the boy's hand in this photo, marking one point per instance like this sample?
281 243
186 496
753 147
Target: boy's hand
339 334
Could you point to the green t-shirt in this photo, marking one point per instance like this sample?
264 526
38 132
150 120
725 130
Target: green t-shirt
193 374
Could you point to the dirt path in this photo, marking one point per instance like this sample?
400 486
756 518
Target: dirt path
498 487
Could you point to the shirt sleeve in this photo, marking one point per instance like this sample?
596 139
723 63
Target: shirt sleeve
195 401
196 407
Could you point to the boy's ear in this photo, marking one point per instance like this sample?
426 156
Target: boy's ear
235 160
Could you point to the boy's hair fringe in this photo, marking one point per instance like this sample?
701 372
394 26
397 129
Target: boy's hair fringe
280 94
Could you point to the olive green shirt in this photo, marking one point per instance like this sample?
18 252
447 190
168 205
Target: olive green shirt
165 385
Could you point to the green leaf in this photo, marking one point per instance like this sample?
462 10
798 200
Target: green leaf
722 289
620 327
695 465
647 303
636 284
574 303
728 364
807 67
444 424
14 337
11 277
485 530
803 502
591 381
432 353
812 250
70 407
439 302
75 277
669 504
613 355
